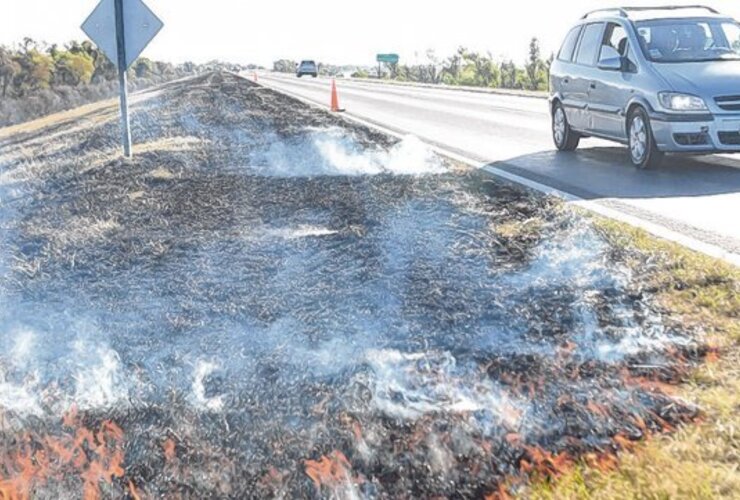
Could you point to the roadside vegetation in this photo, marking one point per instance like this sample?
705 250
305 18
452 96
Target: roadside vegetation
464 67
37 79
696 461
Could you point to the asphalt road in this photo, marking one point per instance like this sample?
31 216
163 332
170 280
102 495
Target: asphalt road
693 197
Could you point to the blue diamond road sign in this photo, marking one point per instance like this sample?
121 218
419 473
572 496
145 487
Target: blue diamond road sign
141 25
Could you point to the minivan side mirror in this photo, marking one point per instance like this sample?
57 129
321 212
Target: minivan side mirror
610 59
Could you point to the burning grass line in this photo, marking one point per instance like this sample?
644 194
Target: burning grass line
79 457
433 330
695 461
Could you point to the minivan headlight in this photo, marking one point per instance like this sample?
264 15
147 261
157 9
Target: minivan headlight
675 101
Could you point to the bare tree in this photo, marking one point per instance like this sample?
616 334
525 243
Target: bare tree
284 66
433 68
8 70
453 65
535 65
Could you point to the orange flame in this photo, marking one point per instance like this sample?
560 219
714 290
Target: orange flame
501 494
648 384
604 462
90 456
713 355
546 463
329 470
169 450
513 438
624 442
640 423
597 409
132 491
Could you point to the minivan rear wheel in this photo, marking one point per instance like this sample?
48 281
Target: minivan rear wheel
643 151
564 137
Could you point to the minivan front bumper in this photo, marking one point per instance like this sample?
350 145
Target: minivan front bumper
697 133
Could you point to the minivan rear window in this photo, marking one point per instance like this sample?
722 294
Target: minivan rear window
590 44
569 45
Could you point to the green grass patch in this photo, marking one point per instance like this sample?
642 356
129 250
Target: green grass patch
697 461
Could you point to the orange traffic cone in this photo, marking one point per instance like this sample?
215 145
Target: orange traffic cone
335 98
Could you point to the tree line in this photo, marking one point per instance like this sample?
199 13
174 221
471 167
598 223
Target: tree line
32 66
464 67
37 78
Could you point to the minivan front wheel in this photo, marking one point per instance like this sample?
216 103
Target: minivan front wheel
643 151
564 137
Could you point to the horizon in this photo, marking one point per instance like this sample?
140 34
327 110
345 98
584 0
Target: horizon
324 30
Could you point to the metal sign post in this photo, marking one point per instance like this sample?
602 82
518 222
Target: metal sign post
385 58
123 78
122 29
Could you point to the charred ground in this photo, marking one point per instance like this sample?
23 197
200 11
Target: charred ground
271 302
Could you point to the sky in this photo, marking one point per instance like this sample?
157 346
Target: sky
332 31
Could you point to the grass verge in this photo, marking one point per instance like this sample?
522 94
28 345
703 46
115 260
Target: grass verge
698 461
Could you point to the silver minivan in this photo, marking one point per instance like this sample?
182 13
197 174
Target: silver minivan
657 79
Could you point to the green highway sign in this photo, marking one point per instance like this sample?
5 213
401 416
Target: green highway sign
388 58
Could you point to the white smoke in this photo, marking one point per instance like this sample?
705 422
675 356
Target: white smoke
202 370
332 152
408 386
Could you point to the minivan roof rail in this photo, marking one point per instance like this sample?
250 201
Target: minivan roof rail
624 11
620 12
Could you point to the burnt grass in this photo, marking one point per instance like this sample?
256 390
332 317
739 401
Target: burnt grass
305 335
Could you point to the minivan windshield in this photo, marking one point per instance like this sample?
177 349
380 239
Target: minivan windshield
689 40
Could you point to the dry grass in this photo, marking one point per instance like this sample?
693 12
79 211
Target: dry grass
100 158
698 461
161 174
109 105
169 145
75 232
516 229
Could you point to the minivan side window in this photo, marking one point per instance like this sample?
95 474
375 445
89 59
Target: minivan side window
616 38
569 45
590 44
